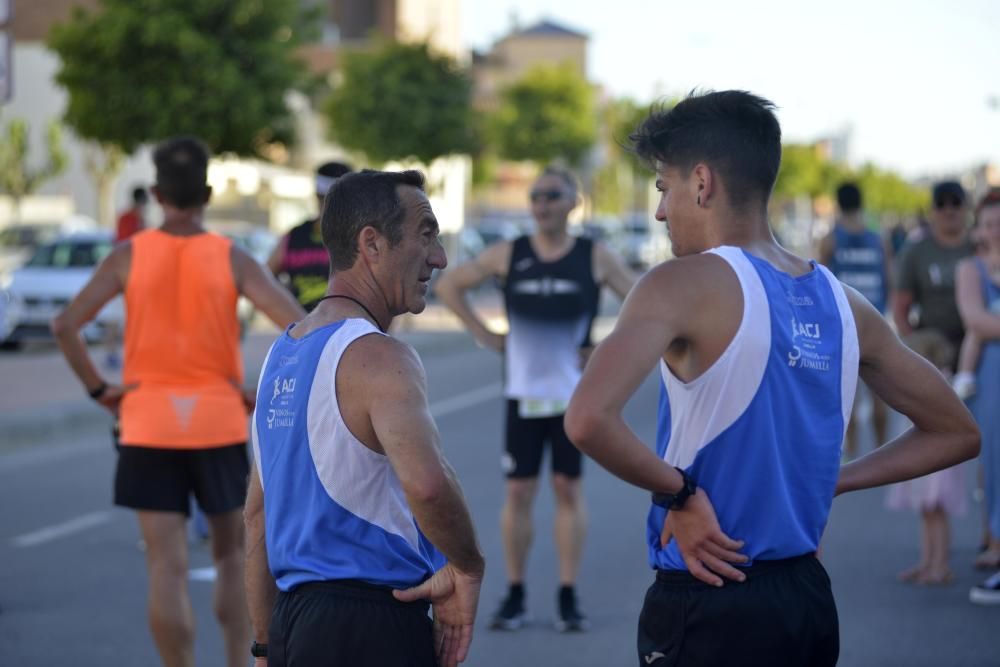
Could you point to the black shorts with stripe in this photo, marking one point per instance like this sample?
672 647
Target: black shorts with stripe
783 615
526 440
348 623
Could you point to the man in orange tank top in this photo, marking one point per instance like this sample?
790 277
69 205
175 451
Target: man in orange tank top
181 405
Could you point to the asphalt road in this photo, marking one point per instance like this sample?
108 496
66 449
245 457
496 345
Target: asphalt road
72 581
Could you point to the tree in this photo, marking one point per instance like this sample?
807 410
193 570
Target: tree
103 162
402 102
142 70
620 177
547 115
805 172
885 192
17 178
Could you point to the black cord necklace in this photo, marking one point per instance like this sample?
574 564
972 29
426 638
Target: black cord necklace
351 298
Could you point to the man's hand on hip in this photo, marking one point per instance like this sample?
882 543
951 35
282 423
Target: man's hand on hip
454 597
706 550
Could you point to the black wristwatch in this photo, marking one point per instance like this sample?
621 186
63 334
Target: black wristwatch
258 650
675 501
98 391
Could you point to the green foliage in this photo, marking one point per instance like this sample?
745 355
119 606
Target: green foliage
886 192
548 115
611 188
805 171
400 102
17 178
142 70
622 117
621 183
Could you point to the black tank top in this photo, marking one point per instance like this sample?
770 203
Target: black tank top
563 291
306 267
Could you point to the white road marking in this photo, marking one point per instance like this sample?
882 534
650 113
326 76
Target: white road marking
446 406
438 409
63 529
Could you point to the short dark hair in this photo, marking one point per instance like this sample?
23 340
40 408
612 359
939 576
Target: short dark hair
948 190
333 169
564 174
139 195
362 199
182 172
849 197
733 131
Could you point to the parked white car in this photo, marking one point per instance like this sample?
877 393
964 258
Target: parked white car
40 289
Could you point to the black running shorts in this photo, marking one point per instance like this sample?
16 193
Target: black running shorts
526 438
348 623
162 480
783 615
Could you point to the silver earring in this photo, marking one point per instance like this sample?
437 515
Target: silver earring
699 200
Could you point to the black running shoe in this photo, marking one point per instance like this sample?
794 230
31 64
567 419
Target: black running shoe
511 615
570 619
987 592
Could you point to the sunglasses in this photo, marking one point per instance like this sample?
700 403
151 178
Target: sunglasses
948 202
546 195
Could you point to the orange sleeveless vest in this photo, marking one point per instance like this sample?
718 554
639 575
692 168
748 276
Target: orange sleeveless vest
182 344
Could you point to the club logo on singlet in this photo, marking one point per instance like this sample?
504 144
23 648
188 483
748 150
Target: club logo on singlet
807 347
280 414
799 301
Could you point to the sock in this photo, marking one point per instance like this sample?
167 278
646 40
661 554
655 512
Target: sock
516 591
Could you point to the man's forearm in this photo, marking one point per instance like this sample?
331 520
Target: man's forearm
457 301
75 351
914 454
261 590
611 443
446 522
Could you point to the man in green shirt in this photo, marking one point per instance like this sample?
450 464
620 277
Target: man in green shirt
925 272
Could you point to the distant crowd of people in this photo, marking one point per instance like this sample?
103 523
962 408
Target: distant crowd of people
940 284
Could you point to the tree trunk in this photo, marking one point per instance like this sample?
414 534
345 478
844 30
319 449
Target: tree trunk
103 164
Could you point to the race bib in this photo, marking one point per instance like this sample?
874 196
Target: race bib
537 408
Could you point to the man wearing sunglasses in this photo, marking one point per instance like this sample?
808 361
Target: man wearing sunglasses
925 272
551 283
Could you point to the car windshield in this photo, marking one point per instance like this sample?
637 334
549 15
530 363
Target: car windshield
70 254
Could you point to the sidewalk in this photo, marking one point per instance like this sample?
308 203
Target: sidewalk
42 398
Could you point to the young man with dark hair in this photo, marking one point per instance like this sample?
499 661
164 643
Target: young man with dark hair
182 409
300 261
758 353
551 285
859 258
352 499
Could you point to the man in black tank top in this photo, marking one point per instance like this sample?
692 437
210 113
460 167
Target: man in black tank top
551 283
300 261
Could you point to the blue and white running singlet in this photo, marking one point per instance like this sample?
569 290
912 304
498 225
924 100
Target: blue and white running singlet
761 430
333 508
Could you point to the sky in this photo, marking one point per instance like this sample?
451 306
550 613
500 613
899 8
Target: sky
911 81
